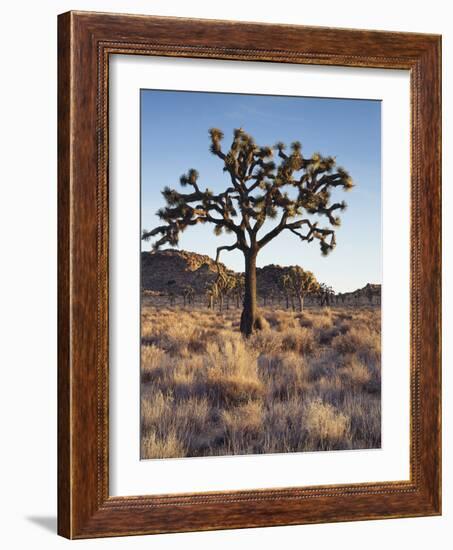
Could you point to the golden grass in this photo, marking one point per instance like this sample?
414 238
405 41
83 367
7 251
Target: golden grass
308 382
326 426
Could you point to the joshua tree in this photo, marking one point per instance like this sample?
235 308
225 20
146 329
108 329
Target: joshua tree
259 190
212 293
279 282
225 284
325 293
301 283
188 294
170 291
372 291
231 281
284 286
238 290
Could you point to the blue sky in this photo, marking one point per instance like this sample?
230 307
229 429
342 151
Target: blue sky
174 138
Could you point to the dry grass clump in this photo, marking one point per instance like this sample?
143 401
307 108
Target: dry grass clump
308 381
230 374
283 374
355 372
359 340
266 341
300 340
243 427
327 427
162 447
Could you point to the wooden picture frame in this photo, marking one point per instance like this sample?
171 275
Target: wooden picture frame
85 42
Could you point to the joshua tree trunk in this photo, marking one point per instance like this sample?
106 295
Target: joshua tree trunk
249 313
300 299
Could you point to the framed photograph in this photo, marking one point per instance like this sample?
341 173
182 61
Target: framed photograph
249 275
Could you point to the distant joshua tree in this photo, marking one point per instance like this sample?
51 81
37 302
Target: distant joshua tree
238 290
259 190
212 294
188 294
283 286
225 284
325 294
301 283
171 292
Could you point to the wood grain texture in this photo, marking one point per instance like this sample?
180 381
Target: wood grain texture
64 390
86 40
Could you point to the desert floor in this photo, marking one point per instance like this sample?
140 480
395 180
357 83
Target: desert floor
308 382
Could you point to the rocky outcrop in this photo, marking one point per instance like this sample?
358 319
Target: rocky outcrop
173 270
176 269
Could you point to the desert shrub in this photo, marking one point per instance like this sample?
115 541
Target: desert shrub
178 420
266 341
245 417
153 446
324 336
300 340
231 374
327 427
355 372
261 323
322 319
322 365
365 413
282 431
305 320
153 359
283 374
360 340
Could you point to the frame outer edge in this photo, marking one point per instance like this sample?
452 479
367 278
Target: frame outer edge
64 527
427 227
82 511
435 135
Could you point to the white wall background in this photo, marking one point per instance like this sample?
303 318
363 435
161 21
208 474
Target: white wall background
28 216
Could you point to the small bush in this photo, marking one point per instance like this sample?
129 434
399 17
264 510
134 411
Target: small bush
328 427
299 340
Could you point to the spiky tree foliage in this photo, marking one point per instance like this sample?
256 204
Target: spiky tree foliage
301 283
289 191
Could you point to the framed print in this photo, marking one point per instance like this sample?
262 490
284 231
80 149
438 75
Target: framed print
249 275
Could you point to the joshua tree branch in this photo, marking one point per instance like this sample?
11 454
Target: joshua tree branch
225 247
274 232
251 168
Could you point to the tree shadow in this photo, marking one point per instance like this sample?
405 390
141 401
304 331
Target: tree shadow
49 523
